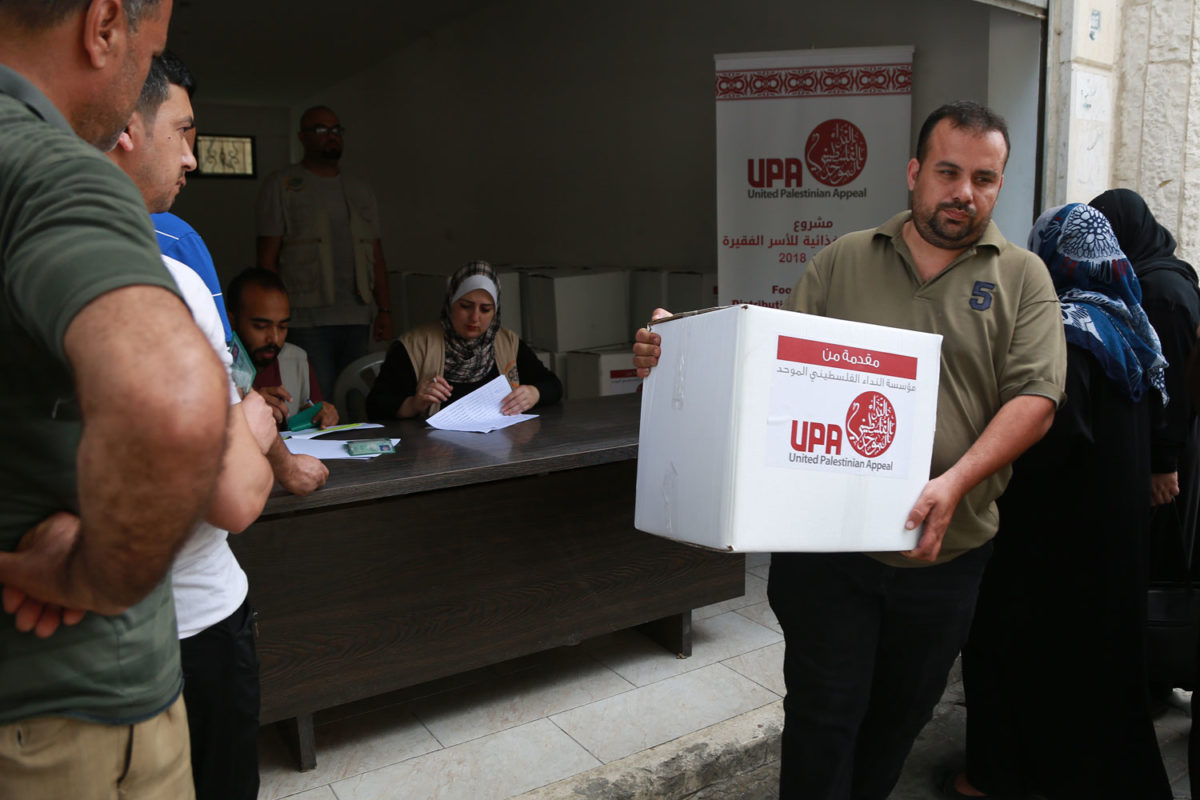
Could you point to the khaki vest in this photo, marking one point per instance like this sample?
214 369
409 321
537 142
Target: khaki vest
426 346
306 253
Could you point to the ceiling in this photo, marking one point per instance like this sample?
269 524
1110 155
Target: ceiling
278 52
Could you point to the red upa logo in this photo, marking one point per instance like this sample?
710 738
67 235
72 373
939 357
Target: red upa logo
763 172
870 429
836 152
871 424
816 434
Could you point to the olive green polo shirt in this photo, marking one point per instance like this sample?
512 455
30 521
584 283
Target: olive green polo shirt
1002 336
72 227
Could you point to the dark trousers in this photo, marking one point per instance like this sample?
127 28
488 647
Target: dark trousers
330 349
868 650
220 688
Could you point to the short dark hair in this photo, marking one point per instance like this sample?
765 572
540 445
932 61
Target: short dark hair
252 276
964 115
37 15
166 70
312 110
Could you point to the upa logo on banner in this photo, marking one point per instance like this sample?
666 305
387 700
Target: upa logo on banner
835 154
762 173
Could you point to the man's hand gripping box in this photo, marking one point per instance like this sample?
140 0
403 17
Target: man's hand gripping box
766 430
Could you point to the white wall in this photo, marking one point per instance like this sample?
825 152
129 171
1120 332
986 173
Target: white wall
1157 150
536 131
1014 93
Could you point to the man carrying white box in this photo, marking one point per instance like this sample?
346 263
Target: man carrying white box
871 637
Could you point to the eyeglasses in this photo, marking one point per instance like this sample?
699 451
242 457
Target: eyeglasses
322 130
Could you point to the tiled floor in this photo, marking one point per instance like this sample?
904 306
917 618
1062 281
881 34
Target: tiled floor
513 727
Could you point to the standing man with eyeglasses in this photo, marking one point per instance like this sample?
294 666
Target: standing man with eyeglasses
319 229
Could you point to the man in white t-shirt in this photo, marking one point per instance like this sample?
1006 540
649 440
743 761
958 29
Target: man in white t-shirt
220 665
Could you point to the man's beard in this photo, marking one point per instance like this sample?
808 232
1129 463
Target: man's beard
949 238
332 153
265 356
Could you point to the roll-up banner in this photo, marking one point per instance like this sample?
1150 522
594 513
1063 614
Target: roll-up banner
811 144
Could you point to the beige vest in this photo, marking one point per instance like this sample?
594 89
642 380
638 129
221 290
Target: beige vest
306 254
426 346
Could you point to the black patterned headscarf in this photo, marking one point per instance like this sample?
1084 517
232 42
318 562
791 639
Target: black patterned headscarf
1100 296
470 360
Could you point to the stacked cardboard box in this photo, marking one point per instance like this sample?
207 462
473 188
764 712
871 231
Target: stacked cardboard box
602 372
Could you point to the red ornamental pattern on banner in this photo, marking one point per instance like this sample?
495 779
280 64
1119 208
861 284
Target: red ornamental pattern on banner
844 81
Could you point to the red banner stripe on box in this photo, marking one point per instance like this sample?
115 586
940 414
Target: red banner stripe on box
827 354
622 373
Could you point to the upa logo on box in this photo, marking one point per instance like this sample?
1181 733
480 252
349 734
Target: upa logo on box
816 434
870 429
871 424
840 407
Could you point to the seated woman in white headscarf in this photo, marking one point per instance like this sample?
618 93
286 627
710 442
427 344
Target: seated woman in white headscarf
433 365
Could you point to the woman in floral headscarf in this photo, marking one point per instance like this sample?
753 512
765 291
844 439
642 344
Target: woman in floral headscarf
1061 611
433 365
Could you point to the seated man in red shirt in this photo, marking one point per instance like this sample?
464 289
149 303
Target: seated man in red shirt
259 311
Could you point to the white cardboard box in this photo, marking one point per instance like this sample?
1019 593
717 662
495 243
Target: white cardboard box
599 373
577 308
524 271
556 363
765 430
510 299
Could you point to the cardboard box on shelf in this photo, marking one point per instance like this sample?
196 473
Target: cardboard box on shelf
556 363
523 272
602 372
765 431
546 357
576 308
510 299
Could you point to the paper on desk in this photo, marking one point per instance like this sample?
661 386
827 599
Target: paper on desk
479 411
325 449
308 433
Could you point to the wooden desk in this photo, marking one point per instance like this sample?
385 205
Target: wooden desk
463 550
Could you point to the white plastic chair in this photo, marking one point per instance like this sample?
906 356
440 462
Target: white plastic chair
352 386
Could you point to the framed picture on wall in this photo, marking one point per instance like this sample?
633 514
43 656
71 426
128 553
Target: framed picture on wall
224 156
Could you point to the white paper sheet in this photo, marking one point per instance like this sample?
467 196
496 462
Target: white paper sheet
325 449
479 411
311 432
